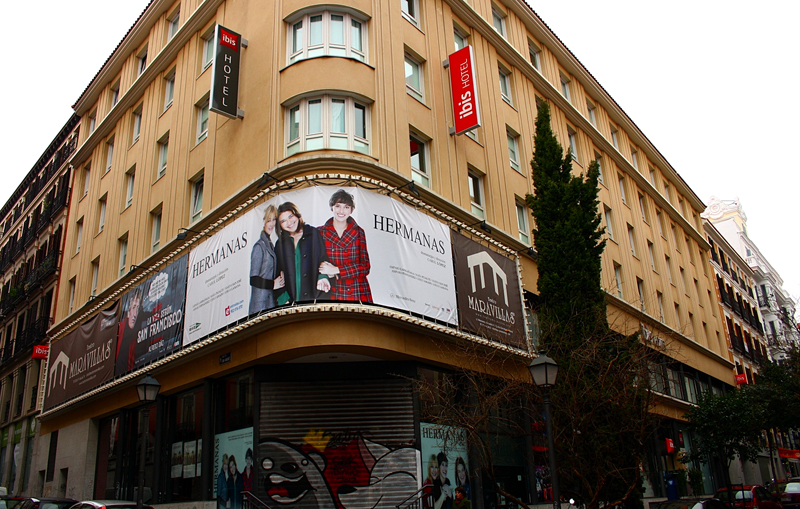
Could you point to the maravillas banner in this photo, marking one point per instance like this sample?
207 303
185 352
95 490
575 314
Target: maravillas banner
321 244
151 318
83 359
489 294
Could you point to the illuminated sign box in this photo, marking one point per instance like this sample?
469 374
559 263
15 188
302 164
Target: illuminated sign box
466 113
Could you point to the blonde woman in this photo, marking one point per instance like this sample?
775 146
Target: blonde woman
263 279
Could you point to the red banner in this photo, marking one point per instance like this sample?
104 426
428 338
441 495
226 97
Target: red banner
40 352
465 94
789 453
670 446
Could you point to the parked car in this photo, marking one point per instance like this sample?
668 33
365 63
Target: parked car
694 503
9 501
748 497
789 493
46 503
108 504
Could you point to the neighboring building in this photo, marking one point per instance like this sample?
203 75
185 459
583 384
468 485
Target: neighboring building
350 96
32 224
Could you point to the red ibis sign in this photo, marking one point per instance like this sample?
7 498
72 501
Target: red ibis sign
741 379
464 92
40 351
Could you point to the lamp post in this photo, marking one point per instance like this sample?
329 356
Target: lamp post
147 389
544 370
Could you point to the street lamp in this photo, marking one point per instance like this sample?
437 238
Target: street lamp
147 389
544 371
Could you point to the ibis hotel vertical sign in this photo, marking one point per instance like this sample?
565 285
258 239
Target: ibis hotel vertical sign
465 94
225 76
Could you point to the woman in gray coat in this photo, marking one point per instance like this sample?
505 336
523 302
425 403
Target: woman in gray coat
262 266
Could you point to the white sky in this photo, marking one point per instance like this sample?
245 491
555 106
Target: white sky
712 84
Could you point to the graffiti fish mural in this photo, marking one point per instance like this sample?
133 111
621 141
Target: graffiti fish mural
318 474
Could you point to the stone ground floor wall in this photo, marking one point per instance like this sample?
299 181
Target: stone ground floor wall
75 458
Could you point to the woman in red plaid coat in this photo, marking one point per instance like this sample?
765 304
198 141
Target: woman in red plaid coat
346 244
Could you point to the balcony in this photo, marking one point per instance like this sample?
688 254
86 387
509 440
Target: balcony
60 201
46 268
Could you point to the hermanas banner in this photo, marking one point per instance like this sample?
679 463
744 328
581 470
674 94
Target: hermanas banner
83 359
151 318
321 244
489 294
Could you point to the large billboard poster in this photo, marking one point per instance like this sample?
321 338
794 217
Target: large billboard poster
83 359
321 244
444 458
151 318
233 467
489 295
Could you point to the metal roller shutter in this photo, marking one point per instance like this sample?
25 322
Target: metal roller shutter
337 444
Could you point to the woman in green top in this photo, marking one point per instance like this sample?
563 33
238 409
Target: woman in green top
300 250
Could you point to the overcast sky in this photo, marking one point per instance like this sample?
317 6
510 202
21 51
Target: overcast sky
712 84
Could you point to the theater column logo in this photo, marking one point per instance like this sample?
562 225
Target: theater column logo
58 373
478 260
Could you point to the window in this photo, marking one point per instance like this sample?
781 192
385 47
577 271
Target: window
668 263
141 61
683 280
414 79
678 325
327 122
635 159
535 55
202 121
660 221
335 34
156 228
87 173
652 256
592 114
109 153
460 38
632 240
666 192
410 10
573 144
565 87
640 289
114 94
609 223
173 23
78 235
505 84
522 223
660 299
197 199
123 255
95 275
419 163
207 56
513 149
136 127
163 152
652 176
92 121
675 237
614 137
476 194
101 222
621 181
169 88
130 178
618 279
599 159
643 209
71 294
499 21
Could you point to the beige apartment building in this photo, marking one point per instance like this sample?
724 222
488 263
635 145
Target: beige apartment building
171 259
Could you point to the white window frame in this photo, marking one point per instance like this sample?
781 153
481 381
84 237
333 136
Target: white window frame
499 21
163 156
95 275
573 143
87 174
207 49
300 45
513 149
353 108
92 121
410 10
123 255
640 289
155 229
78 235
535 54
460 38
591 109
565 90
415 90
614 137
634 158
173 23
622 185
652 176
618 280
522 223
419 160
101 223
632 240
115 93
643 209
476 194
609 222
660 299
141 61
202 110
109 154
169 89
71 294
130 180
505 84
136 124
599 158
196 206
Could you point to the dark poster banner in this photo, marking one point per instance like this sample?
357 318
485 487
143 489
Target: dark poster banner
225 72
151 318
489 297
82 360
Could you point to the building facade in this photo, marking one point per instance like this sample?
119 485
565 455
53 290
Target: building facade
269 346
33 222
